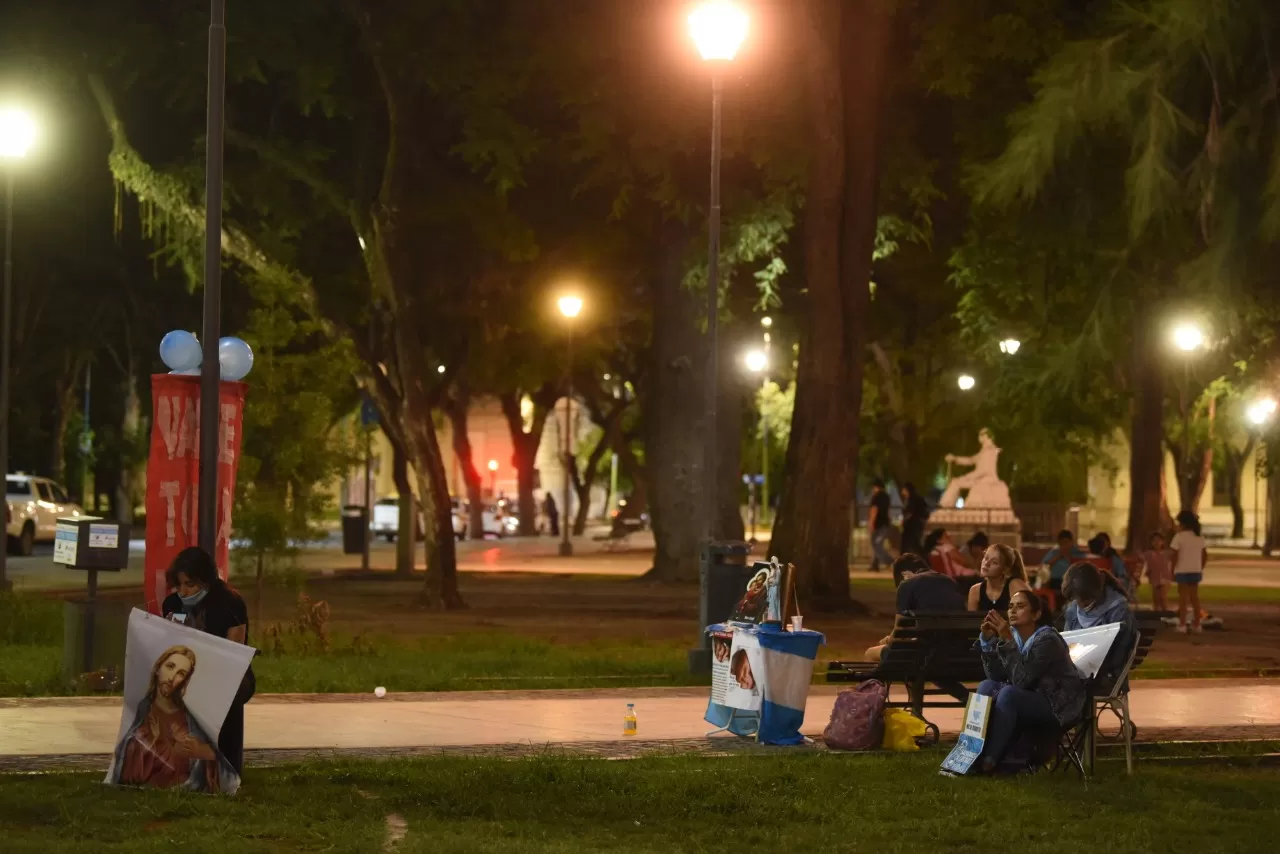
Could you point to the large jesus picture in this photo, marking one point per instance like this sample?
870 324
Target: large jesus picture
165 747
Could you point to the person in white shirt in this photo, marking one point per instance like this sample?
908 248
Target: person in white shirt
1190 554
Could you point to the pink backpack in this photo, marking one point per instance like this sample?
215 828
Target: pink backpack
857 721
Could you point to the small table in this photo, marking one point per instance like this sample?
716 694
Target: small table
781 667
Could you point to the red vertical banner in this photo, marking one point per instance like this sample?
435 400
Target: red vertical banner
173 474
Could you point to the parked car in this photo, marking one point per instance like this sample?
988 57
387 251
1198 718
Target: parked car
498 521
386 519
34 505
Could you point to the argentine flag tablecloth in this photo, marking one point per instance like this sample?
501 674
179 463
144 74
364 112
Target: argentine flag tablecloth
760 680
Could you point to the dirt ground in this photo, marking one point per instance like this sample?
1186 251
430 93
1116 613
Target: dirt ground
583 609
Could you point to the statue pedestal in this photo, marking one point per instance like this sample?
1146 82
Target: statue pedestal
998 523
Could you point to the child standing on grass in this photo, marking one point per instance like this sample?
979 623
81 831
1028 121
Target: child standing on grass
1190 554
1158 571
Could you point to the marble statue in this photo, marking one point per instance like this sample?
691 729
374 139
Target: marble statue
986 489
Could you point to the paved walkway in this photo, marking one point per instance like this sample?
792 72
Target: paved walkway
79 732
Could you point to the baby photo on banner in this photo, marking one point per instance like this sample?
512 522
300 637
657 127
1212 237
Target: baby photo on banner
178 685
745 687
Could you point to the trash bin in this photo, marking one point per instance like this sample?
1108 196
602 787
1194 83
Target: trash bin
355 529
723 576
110 628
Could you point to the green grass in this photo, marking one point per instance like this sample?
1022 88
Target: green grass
794 802
1233 595
463 662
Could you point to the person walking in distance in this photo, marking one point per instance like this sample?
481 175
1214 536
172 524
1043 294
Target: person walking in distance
552 512
915 513
880 526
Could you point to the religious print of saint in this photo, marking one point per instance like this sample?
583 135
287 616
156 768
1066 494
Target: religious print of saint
171 721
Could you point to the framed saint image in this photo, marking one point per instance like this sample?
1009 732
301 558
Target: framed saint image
178 685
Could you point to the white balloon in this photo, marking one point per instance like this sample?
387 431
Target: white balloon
235 358
180 350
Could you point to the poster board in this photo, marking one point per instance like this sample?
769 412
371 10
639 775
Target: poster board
972 738
721 649
744 688
179 683
1089 647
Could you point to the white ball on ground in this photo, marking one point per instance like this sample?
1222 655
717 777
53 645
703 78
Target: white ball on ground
379 692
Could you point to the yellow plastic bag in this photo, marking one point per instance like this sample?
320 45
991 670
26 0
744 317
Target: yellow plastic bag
901 729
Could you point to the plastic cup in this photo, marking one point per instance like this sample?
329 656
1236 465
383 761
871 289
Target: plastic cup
797 623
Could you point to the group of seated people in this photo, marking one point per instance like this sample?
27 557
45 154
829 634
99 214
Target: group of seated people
1033 683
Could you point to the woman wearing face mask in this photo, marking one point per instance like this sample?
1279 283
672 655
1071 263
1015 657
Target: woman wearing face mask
202 600
1030 675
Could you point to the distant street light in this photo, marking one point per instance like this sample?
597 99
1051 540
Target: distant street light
718 28
570 306
493 477
1010 346
756 361
966 382
766 321
1259 414
1188 337
17 135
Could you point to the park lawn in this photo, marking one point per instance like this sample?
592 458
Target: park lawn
803 801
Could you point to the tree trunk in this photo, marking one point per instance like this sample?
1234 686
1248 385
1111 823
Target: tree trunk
584 481
65 397
846 73
1146 448
525 444
734 395
672 417
407 535
1233 470
462 450
1272 492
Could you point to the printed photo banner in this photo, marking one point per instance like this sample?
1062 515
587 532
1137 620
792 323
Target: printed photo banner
972 739
179 683
1089 647
173 474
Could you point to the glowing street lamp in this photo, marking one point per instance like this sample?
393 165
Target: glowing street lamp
756 361
1188 337
966 382
718 28
1261 411
17 135
493 477
766 321
1010 346
570 306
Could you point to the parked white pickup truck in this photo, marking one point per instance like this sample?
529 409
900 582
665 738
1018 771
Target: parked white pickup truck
34 506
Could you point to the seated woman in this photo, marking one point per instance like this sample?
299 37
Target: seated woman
1096 599
1003 574
1030 676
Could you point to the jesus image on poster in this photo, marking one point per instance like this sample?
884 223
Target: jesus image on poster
165 747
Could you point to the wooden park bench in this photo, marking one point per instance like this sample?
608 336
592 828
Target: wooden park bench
929 648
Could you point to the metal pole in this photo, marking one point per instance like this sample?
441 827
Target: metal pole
710 460
566 546
209 371
4 362
86 444
368 497
1256 505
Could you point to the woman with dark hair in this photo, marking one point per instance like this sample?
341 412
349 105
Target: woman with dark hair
202 600
1094 598
1190 554
1030 676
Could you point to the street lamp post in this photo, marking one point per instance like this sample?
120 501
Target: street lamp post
210 374
718 28
570 307
17 133
493 478
758 363
1259 414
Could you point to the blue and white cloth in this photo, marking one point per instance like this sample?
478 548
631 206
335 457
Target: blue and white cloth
783 669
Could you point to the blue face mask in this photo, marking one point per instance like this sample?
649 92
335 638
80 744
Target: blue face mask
196 599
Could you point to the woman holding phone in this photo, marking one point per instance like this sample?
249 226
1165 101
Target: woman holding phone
1030 676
